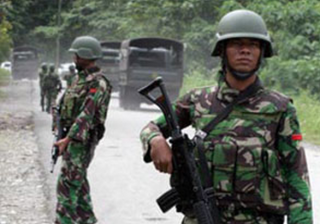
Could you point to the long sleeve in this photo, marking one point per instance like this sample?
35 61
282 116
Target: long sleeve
182 108
93 111
295 169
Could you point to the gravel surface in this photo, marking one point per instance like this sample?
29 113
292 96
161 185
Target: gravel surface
22 197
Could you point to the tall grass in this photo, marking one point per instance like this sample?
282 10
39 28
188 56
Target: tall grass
308 110
4 77
197 79
4 80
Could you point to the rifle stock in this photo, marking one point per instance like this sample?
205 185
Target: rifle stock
185 180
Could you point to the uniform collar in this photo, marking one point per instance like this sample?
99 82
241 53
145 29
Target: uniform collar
228 94
88 74
225 92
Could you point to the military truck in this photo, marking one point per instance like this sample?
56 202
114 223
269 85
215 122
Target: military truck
25 62
109 63
144 59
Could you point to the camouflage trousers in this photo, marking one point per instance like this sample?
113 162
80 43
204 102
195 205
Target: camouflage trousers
74 204
51 96
242 217
42 98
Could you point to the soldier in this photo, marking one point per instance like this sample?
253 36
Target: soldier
52 86
43 72
255 157
70 76
83 111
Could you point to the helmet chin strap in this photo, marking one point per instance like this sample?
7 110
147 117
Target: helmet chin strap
241 75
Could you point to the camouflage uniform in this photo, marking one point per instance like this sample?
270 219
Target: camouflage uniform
52 86
255 156
69 77
42 75
83 112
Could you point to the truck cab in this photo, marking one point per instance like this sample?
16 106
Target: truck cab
144 59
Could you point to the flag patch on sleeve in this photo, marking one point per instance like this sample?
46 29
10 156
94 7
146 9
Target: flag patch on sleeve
296 137
93 90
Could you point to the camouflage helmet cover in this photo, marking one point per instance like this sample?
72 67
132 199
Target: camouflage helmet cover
86 47
44 66
72 68
52 67
242 24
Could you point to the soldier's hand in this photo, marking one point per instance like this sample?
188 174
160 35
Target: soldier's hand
62 144
161 154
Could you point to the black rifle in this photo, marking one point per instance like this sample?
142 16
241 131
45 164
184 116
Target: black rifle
59 133
187 189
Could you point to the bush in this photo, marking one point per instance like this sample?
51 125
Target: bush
291 76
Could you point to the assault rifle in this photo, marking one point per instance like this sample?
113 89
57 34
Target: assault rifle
59 134
187 189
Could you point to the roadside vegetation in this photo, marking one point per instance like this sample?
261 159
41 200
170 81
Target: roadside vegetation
308 109
293 26
4 80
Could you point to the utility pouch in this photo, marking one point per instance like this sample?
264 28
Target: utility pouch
271 167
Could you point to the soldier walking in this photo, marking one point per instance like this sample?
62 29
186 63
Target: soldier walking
255 158
43 72
83 111
52 86
70 76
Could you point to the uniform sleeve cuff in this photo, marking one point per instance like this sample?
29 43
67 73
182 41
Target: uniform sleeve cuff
76 135
146 156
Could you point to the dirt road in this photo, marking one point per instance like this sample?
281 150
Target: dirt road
124 188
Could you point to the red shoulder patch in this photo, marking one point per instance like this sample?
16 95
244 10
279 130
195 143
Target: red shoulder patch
93 90
296 137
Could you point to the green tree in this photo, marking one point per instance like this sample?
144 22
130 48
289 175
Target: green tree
5 27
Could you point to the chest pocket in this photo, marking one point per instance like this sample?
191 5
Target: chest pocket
241 161
237 165
72 102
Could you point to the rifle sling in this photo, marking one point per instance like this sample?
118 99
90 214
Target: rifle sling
203 133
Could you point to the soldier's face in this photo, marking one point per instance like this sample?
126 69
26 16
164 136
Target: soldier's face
243 54
79 62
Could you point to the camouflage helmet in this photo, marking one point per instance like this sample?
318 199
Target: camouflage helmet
51 67
72 68
44 66
86 47
242 24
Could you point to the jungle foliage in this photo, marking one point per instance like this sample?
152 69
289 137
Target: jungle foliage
293 24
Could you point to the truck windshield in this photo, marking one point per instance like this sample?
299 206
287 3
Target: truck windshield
148 58
111 57
24 55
